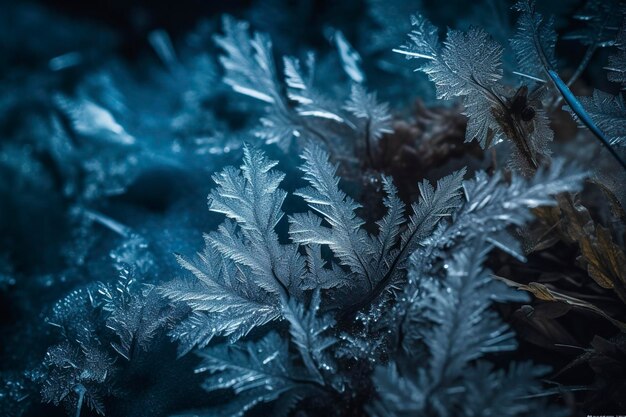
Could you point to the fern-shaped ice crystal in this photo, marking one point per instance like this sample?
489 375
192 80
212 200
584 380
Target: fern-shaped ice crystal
459 329
246 278
469 66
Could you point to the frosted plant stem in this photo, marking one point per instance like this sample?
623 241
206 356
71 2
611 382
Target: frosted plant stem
108 222
579 70
81 396
583 116
583 64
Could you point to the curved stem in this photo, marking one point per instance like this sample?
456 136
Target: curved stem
583 116
80 390
583 64
108 222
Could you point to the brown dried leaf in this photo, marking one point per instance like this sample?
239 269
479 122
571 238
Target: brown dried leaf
606 262
603 259
545 293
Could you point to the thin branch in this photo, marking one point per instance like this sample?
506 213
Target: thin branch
583 116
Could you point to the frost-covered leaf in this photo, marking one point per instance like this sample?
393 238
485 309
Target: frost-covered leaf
464 329
374 116
534 41
294 104
76 376
300 89
350 58
253 200
468 62
457 328
136 314
467 66
307 327
257 372
224 303
345 237
249 64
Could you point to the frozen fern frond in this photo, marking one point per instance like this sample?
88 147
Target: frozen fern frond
252 199
511 203
534 41
608 112
373 261
424 40
255 372
318 275
469 66
403 396
490 209
135 314
435 204
307 329
464 328
224 303
78 370
491 206
244 274
295 106
248 366
365 106
77 375
246 278
345 236
458 329
250 69
300 89
511 391
373 117
248 62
